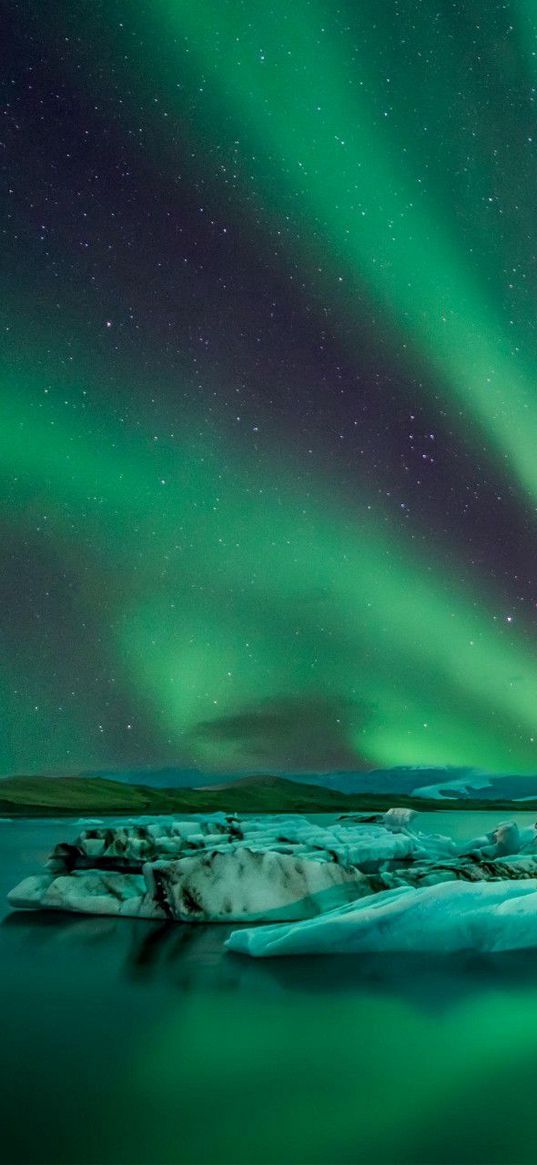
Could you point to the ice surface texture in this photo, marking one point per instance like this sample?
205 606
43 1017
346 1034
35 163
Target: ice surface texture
238 885
452 916
361 885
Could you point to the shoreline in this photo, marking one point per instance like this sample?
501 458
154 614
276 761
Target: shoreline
372 805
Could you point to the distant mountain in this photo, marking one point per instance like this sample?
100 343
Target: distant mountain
42 796
402 780
482 787
419 787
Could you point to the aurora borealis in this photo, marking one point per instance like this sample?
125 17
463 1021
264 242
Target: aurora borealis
268 397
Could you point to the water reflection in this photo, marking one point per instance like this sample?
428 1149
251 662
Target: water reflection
129 1041
192 957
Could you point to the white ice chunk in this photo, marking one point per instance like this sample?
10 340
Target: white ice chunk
503 840
399 820
91 892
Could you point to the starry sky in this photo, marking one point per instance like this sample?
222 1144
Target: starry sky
268 418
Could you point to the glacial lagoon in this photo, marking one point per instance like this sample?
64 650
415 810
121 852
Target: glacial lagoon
127 1041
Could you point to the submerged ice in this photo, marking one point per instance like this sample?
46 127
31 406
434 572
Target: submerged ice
372 883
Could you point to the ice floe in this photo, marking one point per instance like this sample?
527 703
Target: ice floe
358 883
447 917
215 887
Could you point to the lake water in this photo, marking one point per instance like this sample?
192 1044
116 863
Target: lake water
140 1043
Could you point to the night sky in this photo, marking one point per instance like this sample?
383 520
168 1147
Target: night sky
268 418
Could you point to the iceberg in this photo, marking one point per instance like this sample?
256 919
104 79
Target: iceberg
248 884
128 848
358 883
94 892
504 839
218 887
447 917
399 820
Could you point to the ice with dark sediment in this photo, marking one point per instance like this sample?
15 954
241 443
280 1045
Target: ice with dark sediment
289 869
251 884
347 843
241 885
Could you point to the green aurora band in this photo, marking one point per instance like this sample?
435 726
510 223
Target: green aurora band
223 602
231 604
360 203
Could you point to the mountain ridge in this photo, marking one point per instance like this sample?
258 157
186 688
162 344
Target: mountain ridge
263 793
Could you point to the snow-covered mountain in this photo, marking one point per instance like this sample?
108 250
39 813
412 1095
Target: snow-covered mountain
403 779
395 780
481 787
445 783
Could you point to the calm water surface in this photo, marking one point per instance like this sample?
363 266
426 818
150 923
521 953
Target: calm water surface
133 1042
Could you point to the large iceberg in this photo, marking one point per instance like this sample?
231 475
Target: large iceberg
451 916
362 882
250 884
348 843
216 887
